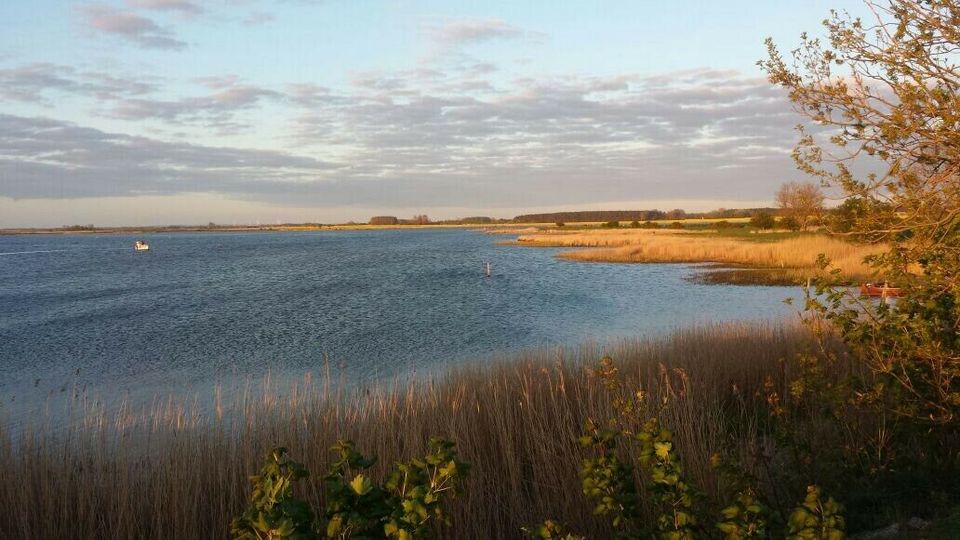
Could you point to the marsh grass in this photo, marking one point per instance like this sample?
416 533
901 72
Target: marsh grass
602 237
720 274
789 260
173 470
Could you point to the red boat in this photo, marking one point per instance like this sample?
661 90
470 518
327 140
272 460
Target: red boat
882 291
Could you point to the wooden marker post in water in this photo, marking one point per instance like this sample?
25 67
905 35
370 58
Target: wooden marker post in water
488 269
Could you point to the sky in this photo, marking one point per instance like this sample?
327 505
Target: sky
151 112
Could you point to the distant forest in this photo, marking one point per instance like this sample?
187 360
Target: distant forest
637 215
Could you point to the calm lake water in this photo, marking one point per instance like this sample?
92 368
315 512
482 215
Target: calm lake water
89 311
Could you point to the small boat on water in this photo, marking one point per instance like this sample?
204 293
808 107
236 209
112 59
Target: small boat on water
882 291
140 245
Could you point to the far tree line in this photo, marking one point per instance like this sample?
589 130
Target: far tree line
800 206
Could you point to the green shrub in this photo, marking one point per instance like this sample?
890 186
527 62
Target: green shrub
790 223
611 225
406 506
608 480
550 530
675 497
745 517
762 220
816 519
274 512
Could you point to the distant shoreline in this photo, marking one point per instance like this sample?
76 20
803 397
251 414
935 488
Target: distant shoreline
577 219
238 229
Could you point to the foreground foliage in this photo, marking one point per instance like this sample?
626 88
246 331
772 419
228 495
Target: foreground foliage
885 94
406 506
609 480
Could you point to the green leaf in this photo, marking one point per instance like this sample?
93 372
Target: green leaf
361 485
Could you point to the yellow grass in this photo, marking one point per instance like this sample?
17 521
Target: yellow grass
171 472
601 237
794 257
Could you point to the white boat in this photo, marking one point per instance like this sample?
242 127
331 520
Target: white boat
140 245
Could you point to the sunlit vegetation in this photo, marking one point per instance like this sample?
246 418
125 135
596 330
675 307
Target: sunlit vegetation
173 472
789 259
757 396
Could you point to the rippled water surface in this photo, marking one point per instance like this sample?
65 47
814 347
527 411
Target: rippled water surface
91 311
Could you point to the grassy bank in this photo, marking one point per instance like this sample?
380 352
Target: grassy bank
168 472
744 259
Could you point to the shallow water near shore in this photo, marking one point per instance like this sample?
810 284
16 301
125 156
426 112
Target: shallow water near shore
87 313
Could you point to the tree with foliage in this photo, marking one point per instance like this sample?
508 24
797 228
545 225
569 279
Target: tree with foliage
844 217
884 95
676 213
802 202
762 220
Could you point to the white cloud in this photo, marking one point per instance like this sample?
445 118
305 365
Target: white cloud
109 20
181 6
420 138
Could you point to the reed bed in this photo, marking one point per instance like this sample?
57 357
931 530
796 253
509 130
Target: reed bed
790 260
602 237
173 470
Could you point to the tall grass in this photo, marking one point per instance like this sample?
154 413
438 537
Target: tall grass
172 471
602 237
790 259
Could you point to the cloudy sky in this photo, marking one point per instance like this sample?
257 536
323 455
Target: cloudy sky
244 111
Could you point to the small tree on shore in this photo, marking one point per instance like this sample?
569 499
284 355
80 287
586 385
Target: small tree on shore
802 202
762 220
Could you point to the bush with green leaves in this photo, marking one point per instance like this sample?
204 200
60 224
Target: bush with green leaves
550 530
608 480
274 512
816 519
790 223
406 506
744 518
674 496
763 220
